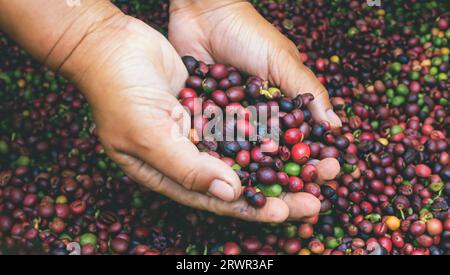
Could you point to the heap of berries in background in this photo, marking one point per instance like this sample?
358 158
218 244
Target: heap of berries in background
387 71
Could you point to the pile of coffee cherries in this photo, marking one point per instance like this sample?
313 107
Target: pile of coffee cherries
391 93
387 72
266 164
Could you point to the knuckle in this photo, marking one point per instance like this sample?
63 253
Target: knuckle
319 91
213 205
286 54
106 139
190 178
140 172
192 199
314 208
157 184
292 48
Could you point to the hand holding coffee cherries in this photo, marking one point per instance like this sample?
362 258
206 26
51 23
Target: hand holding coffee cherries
234 33
131 74
267 138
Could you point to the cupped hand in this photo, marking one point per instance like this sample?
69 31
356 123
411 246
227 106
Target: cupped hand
234 33
130 75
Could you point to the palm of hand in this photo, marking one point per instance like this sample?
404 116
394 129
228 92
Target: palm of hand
139 71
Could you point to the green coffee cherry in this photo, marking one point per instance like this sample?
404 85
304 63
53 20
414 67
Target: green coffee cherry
88 238
273 190
292 169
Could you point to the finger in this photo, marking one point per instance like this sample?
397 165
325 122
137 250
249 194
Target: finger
166 149
275 210
301 205
160 142
295 78
311 220
327 169
199 54
183 44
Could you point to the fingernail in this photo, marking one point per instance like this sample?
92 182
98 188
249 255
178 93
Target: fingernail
221 190
333 118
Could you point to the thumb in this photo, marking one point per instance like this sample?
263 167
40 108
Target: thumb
295 78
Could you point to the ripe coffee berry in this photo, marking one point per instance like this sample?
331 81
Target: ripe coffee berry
309 173
423 170
192 104
187 93
293 136
295 184
434 227
266 175
300 152
243 158
417 228
254 197
78 207
218 71
231 248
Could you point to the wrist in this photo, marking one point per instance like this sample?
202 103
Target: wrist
93 17
51 29
86 63
110 59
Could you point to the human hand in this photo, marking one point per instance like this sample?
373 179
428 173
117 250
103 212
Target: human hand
130 75
232 32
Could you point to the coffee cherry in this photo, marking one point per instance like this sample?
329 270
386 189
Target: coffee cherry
300 152
295 184
266 175
231 248
218 71
423 171
434 227
243 158
293 136
254 198
187 93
